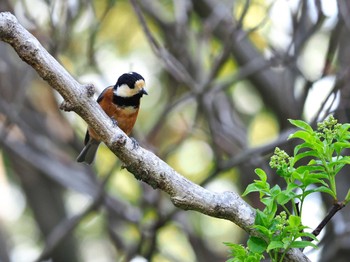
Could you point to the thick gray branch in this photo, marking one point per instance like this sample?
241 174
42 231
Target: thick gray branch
142 163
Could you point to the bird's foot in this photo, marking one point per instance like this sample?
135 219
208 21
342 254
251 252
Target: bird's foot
134 143
114 122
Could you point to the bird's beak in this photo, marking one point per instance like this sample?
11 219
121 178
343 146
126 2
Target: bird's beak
143 91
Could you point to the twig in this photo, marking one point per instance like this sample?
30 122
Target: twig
335 208
172 64
243 14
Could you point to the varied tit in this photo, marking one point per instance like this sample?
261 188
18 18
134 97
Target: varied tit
121 102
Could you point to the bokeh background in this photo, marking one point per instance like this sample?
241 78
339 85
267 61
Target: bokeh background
223 77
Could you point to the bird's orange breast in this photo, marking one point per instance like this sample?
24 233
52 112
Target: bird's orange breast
125 116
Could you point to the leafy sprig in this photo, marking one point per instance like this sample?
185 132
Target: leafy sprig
315 163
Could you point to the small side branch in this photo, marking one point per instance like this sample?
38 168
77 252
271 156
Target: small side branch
335 208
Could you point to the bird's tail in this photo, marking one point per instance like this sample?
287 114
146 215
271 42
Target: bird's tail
88 153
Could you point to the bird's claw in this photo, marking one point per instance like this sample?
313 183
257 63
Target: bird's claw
135 144
114 122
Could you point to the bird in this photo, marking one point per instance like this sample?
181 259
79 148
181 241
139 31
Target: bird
121 103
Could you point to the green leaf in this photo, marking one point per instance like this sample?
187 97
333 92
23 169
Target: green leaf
256 245
338 168
307 234
303 135
271 210
251 188
301 146
296 175
241 254
294 221
339 146
308 192
339 160
301 124
236 249
261 218
302 244
285 196
312 180
345 159
263 230
274 245
338 164
261 174
254 258
343 133
292 186
267 201
311 153
275 190
347 198
326 190
310 168
321 175
313 144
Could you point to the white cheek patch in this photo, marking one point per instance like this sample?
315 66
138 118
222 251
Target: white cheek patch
140 84
125 91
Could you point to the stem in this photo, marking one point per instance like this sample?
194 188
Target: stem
333 185
302 203
331 177
286 209
297 207
282 257
271 256
335 208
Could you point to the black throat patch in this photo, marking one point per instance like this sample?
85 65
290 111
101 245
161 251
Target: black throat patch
133 101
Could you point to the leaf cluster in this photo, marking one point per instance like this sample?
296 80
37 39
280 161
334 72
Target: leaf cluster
316 161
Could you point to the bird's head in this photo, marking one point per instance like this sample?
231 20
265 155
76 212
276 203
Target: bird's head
129 85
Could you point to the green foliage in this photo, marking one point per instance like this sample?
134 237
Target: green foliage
313 168
241 253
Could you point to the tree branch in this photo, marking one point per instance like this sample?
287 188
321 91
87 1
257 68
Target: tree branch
142 163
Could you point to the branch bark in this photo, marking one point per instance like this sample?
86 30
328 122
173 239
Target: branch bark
143 164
